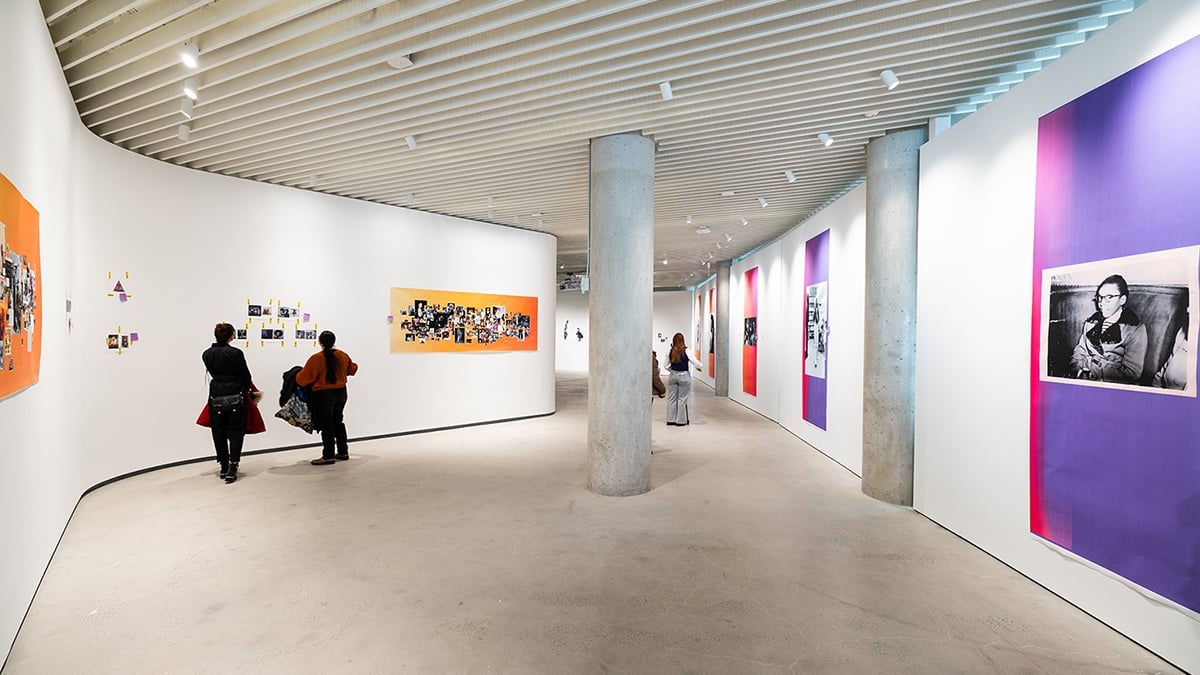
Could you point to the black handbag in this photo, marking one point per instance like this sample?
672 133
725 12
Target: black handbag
227 403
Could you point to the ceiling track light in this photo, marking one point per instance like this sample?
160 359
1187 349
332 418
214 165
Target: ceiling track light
186 107
826 139
664 88
664 261
184 132
400 61
191 88
491 202
689 220
743 221
718 246
412 141
728 237
703 229
790 176
762 201
190 55
889 79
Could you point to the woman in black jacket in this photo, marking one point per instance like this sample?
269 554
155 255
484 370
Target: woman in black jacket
227 391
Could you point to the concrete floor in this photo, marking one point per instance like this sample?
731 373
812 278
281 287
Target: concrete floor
480 550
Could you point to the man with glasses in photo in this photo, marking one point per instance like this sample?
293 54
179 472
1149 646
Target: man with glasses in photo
1112 347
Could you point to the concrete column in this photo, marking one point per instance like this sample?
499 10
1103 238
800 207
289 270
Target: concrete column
621 270
889 347
722 368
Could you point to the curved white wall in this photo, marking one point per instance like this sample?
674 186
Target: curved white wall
197 247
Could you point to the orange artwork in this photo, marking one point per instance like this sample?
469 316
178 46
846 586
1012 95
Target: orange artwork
424 321
20 291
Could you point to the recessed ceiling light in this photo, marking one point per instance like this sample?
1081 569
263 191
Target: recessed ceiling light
664 261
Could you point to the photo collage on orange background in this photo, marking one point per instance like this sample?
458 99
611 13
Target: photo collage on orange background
424 320
20 291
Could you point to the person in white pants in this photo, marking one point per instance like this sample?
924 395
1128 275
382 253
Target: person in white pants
679 381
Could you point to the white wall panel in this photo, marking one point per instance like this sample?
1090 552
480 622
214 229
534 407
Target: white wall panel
975 265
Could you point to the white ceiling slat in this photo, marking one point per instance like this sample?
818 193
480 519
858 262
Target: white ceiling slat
505 96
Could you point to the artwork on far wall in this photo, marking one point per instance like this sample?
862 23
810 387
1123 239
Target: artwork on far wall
20 291
274 323
698 336
1114 478
712 332
454 321
750 334
816 328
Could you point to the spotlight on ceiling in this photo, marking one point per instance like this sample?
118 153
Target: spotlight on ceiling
400 61
191 88
491 202
412 142
728 237
185 107
889 79
703 229
762 201
664 261
664 88
190 55
826 139
689 220
184 132
743 221
790 176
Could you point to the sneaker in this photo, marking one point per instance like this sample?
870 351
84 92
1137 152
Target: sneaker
321 461
342 458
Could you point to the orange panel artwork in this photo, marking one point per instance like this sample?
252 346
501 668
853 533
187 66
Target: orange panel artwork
423 320
20 291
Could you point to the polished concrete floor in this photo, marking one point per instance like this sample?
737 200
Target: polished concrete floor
480 550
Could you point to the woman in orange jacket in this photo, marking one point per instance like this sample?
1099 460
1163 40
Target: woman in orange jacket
325 373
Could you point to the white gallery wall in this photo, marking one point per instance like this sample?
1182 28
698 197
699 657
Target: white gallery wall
197 248
671 313
976 225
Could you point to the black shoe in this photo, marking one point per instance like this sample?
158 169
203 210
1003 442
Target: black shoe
224 469
343 457
232 475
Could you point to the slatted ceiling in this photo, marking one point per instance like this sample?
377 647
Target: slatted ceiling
504 96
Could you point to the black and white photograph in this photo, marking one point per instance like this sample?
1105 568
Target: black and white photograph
277 334
750 337
266 334
286 312
254 310
1125 323
816 329
241 334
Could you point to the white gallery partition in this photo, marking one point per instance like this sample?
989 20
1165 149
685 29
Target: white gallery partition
191 249
671 313
975 252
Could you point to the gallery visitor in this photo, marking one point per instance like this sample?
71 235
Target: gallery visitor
679 381
1112 347
657 388
325 374
228 399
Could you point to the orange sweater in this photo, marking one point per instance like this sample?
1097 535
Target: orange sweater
313 372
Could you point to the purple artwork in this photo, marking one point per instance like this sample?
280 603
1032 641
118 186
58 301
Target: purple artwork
816 331
1114 468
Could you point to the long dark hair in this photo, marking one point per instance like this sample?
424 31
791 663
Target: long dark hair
326 338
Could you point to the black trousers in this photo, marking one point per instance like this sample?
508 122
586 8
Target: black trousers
228 432
327 407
